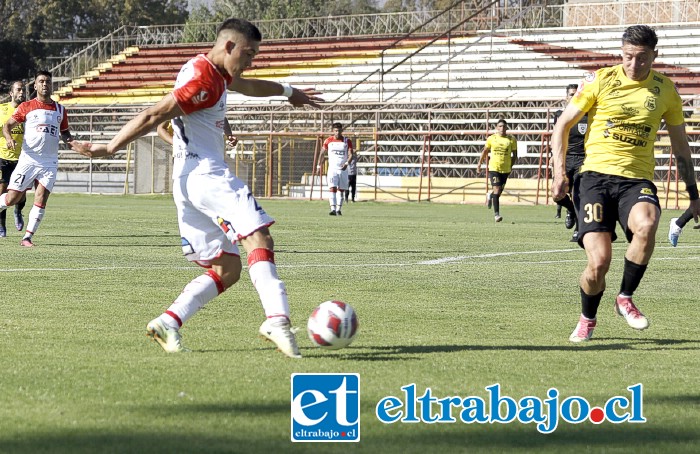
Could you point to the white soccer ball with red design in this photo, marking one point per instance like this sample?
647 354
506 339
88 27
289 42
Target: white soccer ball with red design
333 325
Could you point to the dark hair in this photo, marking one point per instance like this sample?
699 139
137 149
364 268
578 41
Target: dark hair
571 87
43 72
502 121
12 84
337 125
640 35
242 26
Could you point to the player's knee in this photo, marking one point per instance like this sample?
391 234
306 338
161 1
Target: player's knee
645 229
597 268
230 277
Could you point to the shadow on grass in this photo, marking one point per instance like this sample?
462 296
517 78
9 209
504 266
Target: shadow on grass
408 438
389 353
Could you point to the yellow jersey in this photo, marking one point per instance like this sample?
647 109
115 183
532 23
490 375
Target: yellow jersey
501 149
6 111
623 118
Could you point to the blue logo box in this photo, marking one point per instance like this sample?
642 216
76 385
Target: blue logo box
325 407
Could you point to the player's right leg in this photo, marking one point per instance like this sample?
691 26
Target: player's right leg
598 247
204 242
277 327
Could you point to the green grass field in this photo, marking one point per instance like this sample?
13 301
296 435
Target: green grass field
446 300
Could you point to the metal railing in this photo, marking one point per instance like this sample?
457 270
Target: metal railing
596 14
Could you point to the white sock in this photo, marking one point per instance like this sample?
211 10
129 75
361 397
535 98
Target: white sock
272 291
332 200
194 296
3 201
341 197
36 214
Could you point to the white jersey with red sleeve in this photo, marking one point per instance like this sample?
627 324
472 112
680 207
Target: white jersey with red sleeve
337 151
198 140
43 125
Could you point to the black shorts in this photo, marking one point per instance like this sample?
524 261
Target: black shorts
497 178
6 169
573 164
604 200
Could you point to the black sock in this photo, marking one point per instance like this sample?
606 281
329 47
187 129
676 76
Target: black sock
684 218
3 217
631 277
566 203
558 209
496 204
590 303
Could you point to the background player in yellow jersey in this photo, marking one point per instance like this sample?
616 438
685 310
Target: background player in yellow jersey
503 150
9 157
625 105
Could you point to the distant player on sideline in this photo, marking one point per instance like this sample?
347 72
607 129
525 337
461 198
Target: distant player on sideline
352 178
44 121
504 153
626 104
215 209
9 156
574 159
340 151
676 225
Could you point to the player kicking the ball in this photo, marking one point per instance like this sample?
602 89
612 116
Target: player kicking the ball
215 209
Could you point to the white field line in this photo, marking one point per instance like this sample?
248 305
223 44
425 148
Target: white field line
441 261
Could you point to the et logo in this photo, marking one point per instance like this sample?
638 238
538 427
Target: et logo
325 407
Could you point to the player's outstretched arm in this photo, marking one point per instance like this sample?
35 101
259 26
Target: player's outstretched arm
264 88
681 148
142 124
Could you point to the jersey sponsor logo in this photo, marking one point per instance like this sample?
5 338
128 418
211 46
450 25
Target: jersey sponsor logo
650 103
646 191
582 128
658 79
630 140
655 90
51 130
589 77
639 130
630 111
200 97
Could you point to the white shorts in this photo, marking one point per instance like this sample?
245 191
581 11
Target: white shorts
26 173
337 178
214 211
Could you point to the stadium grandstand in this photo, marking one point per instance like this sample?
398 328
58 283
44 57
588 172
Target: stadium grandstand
419 92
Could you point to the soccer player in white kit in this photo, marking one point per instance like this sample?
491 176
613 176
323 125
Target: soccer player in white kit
44 121
215 209
340 151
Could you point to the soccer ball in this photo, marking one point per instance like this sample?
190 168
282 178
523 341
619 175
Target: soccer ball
333 325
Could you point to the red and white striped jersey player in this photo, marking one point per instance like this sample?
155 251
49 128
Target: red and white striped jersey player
340 150
45 123
215 209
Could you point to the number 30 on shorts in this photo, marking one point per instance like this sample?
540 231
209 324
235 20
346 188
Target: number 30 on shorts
594 212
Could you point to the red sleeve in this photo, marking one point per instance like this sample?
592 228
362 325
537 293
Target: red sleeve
350 147
21 112
325 143
202 91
